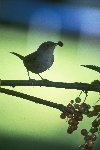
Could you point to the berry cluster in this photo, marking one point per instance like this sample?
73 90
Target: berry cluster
89 140
74 118
90 136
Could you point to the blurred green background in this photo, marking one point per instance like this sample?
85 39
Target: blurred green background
26 125
25 121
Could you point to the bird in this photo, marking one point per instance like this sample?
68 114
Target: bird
93 67
40 60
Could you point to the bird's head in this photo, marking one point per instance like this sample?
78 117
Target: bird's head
49 46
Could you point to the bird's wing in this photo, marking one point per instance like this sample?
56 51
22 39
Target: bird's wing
31 57
93 67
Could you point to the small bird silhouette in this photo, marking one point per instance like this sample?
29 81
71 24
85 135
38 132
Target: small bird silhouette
40 60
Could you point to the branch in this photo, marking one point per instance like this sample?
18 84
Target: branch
76 85
37 100
94 86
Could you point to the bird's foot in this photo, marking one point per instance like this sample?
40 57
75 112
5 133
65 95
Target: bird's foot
46 80
31 79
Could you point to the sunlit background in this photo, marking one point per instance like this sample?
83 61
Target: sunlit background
24 25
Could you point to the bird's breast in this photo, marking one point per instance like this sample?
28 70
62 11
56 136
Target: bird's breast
40 64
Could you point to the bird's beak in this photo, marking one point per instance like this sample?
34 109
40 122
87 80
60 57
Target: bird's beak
60 43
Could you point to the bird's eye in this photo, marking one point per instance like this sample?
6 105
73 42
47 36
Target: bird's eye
47 45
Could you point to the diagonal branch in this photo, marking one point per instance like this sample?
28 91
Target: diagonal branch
47 83
37 100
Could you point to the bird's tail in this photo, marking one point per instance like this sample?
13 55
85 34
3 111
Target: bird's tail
18 55
93 67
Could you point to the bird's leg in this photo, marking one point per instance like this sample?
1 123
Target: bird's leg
30 78
28 74
40 76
